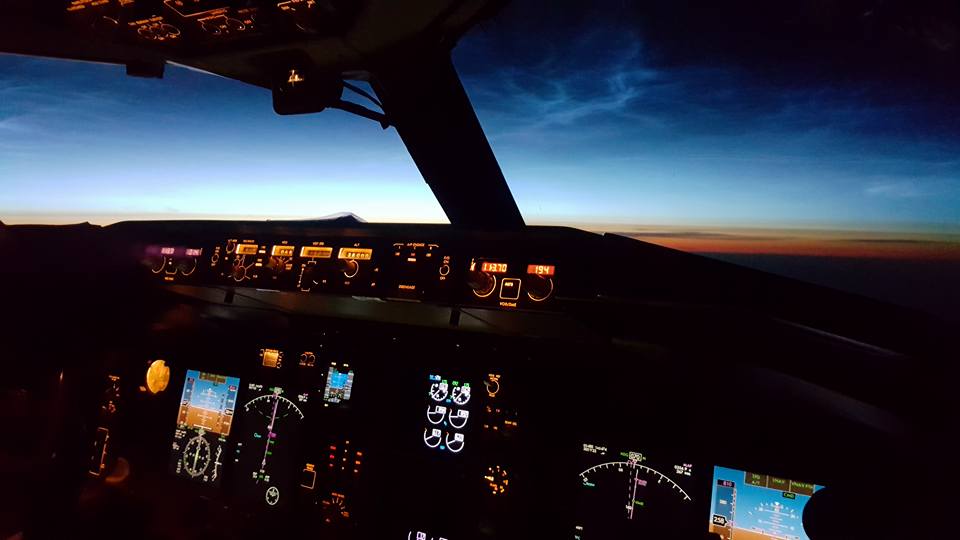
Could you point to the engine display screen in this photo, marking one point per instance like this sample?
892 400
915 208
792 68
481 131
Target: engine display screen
751 506
204 420
447 414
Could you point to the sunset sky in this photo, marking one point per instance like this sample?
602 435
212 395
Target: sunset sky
624 117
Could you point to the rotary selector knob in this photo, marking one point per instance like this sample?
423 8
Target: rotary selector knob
482 283
539 288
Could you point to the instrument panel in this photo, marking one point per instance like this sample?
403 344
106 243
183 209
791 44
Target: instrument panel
378 432
437 271
179 26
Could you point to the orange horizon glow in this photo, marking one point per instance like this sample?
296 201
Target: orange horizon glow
810 243
746 240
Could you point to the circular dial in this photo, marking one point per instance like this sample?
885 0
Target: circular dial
493 385
432 437
439 390
436 414
458 418
272 496
273 406
460 395
629 499
274 409
334 508
454 442
196 456
634 471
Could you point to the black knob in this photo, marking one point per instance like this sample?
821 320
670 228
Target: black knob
482 283
539 288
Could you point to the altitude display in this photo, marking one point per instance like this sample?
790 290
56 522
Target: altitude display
751 506
204 420
627 494
265 460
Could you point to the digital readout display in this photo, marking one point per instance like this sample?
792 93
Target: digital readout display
541 269
493 267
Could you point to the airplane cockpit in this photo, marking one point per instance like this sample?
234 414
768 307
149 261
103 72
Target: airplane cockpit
482 379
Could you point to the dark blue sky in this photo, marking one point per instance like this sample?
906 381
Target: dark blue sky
605 114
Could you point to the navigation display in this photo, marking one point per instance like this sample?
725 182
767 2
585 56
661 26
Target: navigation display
339 384
268 442
751 506
203 425
630 493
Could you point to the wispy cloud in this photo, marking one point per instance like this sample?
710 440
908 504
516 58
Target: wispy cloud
895 190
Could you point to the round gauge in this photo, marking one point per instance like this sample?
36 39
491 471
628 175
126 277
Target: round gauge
196 456
436 413
432 437
335 508
455 442
439 390
273 406
272 496
158 376
459 418
493 385
263 454
630 499
460 395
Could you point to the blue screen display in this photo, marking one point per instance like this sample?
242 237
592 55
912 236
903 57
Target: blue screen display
753 506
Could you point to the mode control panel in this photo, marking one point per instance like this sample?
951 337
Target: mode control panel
524 276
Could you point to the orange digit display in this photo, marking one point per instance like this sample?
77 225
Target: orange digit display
541 269
493 267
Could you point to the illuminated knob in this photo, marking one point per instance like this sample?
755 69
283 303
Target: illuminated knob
309 277
187 266
350 268
239 272
482 283
156 264
539 288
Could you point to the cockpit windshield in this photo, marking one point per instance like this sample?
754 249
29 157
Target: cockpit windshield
706 130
